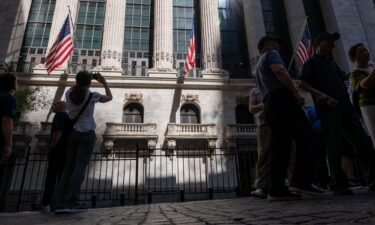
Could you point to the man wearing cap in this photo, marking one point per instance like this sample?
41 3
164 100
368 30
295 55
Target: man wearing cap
283 113
323 78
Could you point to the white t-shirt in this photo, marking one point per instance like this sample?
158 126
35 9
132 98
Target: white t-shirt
86 121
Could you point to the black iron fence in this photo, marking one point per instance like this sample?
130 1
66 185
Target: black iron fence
135 176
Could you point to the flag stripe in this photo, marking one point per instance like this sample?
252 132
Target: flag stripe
61 48
190 61
53 54
305 48
60 55
61 61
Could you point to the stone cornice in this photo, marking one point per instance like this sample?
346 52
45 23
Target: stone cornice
143 82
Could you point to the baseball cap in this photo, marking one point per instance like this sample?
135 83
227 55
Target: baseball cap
326 37
264 40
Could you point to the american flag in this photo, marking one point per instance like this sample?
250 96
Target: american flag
190 57
61 48
305 47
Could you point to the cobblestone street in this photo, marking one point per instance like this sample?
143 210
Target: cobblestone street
357 209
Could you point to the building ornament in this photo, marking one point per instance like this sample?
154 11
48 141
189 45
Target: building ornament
134 97
190 98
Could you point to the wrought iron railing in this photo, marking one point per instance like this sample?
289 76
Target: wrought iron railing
134 176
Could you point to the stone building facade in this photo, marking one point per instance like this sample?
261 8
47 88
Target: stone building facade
140 46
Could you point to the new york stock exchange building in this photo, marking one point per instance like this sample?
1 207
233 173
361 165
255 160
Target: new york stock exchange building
161 138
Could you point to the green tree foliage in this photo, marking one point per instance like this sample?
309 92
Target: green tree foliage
32 100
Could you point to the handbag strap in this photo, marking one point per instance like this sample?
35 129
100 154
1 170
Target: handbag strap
83 109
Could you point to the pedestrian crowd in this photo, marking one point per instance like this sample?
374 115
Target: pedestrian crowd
310 150
300 149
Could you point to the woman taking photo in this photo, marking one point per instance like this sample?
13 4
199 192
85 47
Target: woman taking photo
80 107
363 80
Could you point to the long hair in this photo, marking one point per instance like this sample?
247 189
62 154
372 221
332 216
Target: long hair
83 82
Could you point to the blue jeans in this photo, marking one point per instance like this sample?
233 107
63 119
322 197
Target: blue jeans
80 147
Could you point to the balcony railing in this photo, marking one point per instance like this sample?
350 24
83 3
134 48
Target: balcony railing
241 130
191 131
130 130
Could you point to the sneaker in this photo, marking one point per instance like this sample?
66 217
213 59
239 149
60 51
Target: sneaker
353 184
342 191
46 209
308 190
284 196
79 208
63 211
259 193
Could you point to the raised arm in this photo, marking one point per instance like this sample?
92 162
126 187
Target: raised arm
108 94
369 81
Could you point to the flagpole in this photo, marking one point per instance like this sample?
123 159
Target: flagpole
73 35
297 44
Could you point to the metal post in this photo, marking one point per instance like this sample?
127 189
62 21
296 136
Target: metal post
149 197
238 175
23 179
182 195
210 193
136 174
122 199
93 201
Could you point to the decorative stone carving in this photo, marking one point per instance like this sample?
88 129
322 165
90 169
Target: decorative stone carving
190 98
134 97
108 145
212 143
171 144
152 144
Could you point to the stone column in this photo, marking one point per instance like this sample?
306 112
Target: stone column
211 39
255 28
343 16
13 26
163 37
295 14
113 38
59 16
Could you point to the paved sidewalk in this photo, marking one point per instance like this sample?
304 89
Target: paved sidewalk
357 209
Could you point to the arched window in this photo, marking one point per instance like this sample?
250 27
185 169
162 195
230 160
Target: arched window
133 113
189 113
243 115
